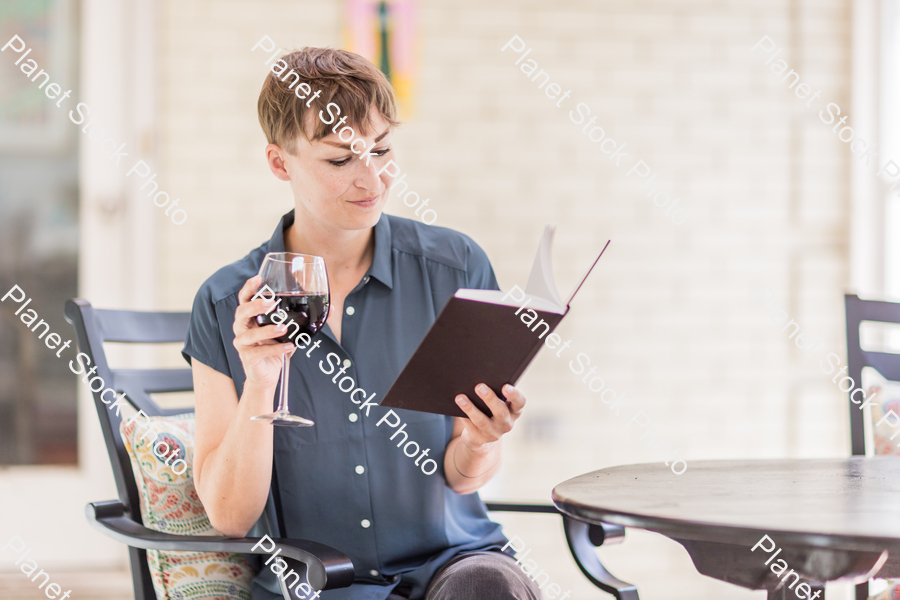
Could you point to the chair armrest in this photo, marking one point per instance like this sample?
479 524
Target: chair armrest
604 533
326 568
518 507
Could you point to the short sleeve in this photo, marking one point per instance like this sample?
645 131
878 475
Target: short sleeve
479 272
204 338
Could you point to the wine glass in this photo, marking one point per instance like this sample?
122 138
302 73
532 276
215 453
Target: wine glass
300 287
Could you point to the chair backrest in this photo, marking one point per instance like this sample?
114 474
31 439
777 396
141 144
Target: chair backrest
94 327
887 364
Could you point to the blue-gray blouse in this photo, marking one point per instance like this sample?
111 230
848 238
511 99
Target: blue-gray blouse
344 482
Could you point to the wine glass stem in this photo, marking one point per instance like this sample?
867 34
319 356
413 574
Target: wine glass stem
283 401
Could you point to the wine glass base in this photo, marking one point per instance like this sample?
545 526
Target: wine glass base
284 419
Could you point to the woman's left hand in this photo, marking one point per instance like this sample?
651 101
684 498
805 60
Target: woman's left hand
481 431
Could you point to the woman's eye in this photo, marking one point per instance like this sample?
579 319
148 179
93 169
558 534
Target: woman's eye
342 162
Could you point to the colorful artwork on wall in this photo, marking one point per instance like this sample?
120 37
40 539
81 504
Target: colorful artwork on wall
386 33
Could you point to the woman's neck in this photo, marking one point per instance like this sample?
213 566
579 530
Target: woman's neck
346 253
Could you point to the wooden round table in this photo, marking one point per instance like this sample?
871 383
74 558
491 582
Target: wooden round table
832 518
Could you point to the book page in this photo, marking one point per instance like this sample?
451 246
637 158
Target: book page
540 282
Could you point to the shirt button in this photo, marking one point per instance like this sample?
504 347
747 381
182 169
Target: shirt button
360 469
374 573
366 279
347 363
365 523
350 310
353 417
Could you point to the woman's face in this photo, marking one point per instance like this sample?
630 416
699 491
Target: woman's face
332 184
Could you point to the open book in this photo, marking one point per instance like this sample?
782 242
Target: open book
483 336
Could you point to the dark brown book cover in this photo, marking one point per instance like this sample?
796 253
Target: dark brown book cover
478 338
470 342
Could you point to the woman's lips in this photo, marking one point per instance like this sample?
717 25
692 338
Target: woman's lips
366 202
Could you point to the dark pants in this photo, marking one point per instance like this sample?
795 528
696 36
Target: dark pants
480 576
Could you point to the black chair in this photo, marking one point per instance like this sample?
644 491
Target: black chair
888 365
323 567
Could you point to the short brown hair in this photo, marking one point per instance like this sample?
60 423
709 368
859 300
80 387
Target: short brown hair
344 78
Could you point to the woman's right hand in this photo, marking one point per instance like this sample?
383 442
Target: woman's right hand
260 353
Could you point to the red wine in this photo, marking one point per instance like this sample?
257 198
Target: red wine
308 310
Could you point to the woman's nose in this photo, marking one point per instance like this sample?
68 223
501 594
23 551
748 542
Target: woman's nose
369 177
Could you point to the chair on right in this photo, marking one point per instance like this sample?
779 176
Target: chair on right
888 366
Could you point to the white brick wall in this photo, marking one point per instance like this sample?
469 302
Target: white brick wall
667 314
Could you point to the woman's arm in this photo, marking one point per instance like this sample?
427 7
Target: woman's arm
473 455
232 454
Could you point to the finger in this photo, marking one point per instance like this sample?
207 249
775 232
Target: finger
514 398
253 354
498 407
257 335
251 286
478 418
248 310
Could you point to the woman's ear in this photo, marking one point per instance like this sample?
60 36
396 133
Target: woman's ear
275 157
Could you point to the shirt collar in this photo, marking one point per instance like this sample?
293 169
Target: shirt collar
381 262
276 243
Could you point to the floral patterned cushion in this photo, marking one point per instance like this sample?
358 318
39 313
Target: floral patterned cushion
170 503
892 593
888 398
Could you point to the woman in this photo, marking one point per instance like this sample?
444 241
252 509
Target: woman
345 482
